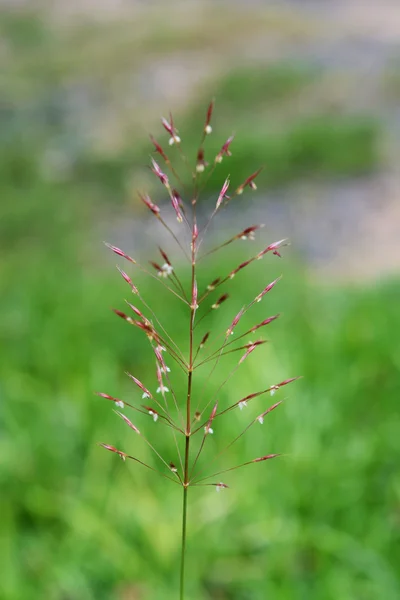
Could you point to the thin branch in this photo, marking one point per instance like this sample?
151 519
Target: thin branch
255 460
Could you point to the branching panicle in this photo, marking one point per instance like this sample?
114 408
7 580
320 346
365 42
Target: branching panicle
163 404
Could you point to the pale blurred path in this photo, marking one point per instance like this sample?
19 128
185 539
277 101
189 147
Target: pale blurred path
349 228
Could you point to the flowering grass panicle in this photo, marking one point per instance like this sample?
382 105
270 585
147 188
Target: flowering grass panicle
191 419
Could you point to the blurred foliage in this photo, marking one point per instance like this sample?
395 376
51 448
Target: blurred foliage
73 119
321 522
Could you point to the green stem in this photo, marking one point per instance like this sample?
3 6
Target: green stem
188 411
183 555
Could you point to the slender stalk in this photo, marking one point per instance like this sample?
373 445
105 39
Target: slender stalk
188 404
183 555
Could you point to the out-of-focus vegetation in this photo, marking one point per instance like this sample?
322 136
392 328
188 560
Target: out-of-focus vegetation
73 105
322 522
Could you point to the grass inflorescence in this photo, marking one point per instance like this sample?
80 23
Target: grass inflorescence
190 418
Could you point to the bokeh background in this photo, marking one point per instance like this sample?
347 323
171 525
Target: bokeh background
311 90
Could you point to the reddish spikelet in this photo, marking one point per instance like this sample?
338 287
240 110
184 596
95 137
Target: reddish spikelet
267 457
137 312
239 268
162 271
207 428
256 343
156 266
128 280
249 182
273 248
246 398
220 300
159 149
149 330
220 486
167 126
201 163
176 201
159 173
272 389
123 316
153 207
117 401
235 322
160 359
286 381
211 286
164 255
131 425
222 195
152 412
120 253
207 126
123 455
162 389
265 322
249 350
224 150
140 385
248 233
267 289
260 418
173 132
204 339
275 387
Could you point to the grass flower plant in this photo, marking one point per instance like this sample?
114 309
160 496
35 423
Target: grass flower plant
191 418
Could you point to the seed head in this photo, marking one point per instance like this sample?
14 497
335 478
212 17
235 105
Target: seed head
173 132
207 126
220 300
128 422
211 286
152 412
220 486
184 412
222 195
260 418
249 182
267 457
204 339
267 289
120 253
128 280
146 200
157 171
123 316
119 403
235 322
201 163
248 233
224 150
140 385
274 248
176 201
159 149
112 449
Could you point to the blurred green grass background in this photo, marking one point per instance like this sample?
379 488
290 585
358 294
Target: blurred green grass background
321 522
